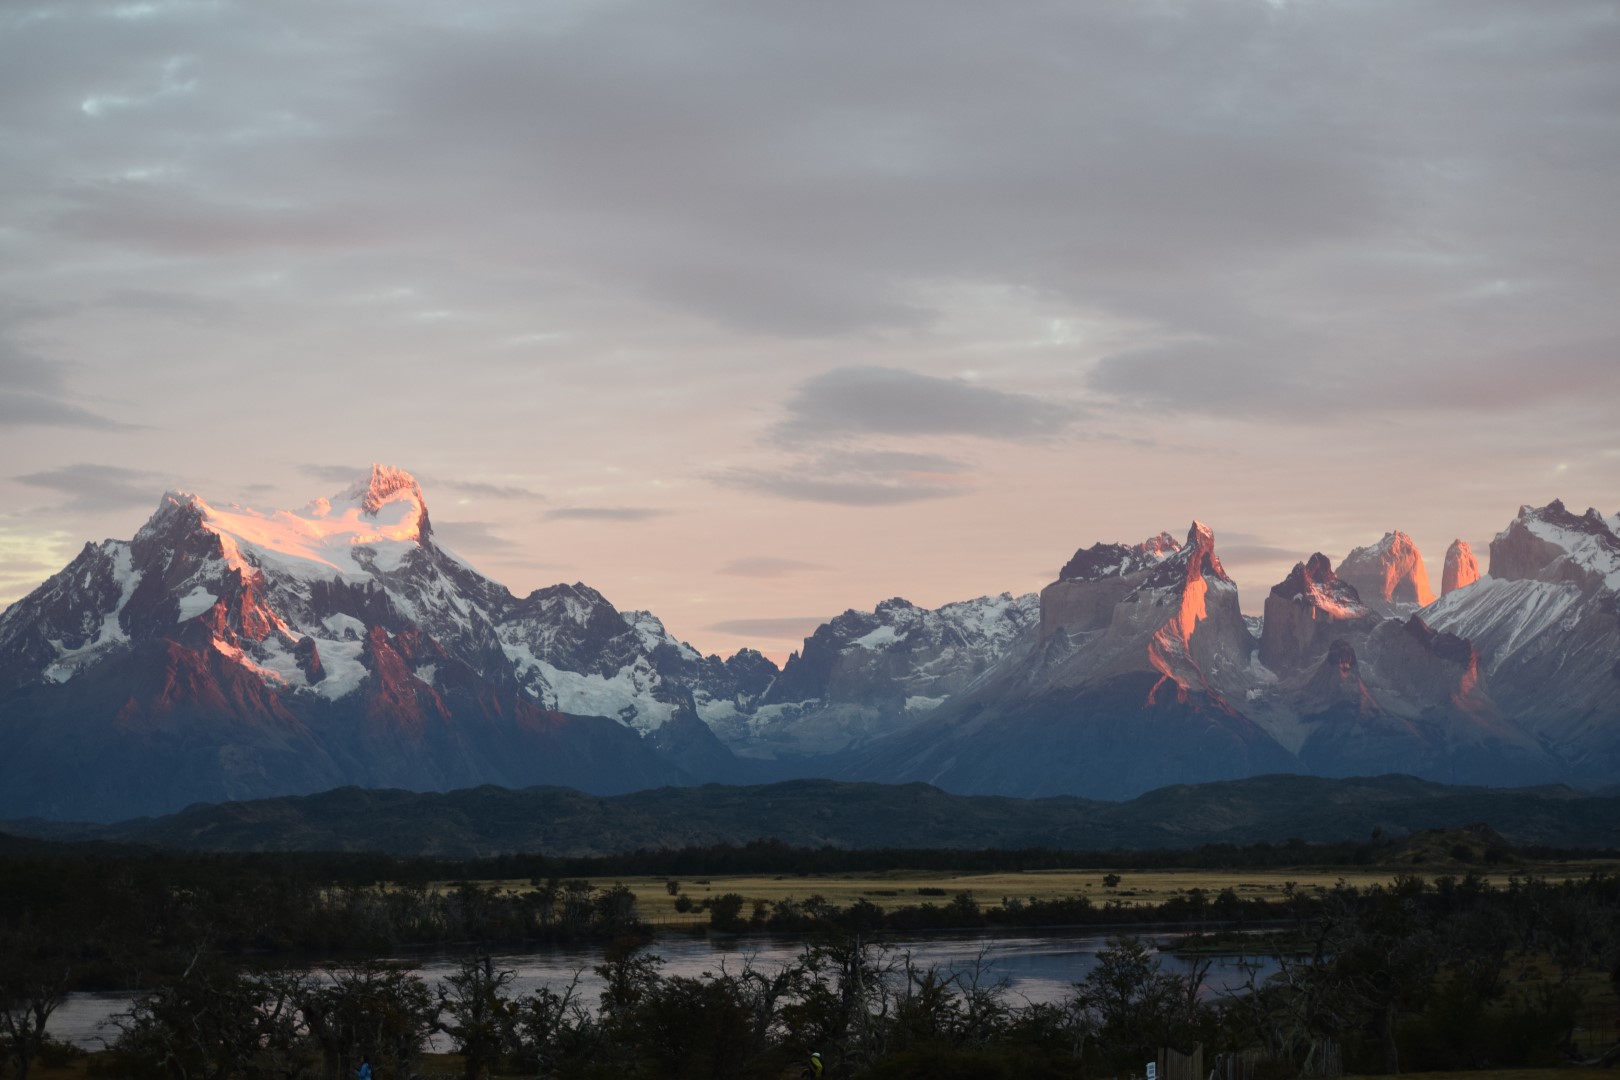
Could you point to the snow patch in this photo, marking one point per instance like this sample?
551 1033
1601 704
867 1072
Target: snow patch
877 639
195 602
272 657
344 627
624 696
344 669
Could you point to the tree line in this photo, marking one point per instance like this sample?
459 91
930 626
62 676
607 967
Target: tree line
1449 974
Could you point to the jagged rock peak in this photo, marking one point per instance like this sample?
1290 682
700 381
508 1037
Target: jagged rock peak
1555 514
1305 611
1101 561
1461 569
1161 545
1196 560
1314 582
1389 576
1199 553
384 482
180 508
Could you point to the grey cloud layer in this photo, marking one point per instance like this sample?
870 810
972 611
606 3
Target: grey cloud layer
481 536
856 478
91 488
32 393
888 401
1302 229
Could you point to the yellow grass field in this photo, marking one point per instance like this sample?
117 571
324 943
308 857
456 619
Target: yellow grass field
898 888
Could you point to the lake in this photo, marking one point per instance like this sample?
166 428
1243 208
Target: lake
1036 967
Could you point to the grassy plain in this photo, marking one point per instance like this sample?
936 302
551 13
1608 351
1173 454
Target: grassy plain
899 888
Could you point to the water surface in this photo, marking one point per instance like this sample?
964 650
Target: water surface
1035 967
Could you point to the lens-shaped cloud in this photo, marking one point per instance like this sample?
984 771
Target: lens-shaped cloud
91 488
856 478
883 401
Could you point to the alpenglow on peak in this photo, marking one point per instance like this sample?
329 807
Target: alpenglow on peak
383 484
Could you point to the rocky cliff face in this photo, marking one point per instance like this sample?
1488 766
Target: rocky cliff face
1306 612
1389 576
1419 707
1096 579
1461 570
1162 608
1140 649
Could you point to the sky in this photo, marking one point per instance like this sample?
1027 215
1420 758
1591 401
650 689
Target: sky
748 313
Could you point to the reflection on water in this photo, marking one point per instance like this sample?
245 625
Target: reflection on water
1035 967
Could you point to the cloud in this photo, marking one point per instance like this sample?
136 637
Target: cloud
473 536
483 490
24 410
768 566
185 307
856 478
96 488
602 513
194 223
22 370
865 401
32 394
779 629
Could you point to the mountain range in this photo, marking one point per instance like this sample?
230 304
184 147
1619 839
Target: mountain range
225 653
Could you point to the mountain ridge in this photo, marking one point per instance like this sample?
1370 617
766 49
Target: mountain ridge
561 821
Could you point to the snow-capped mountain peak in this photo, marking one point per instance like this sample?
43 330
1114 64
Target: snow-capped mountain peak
1550 543
371 525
